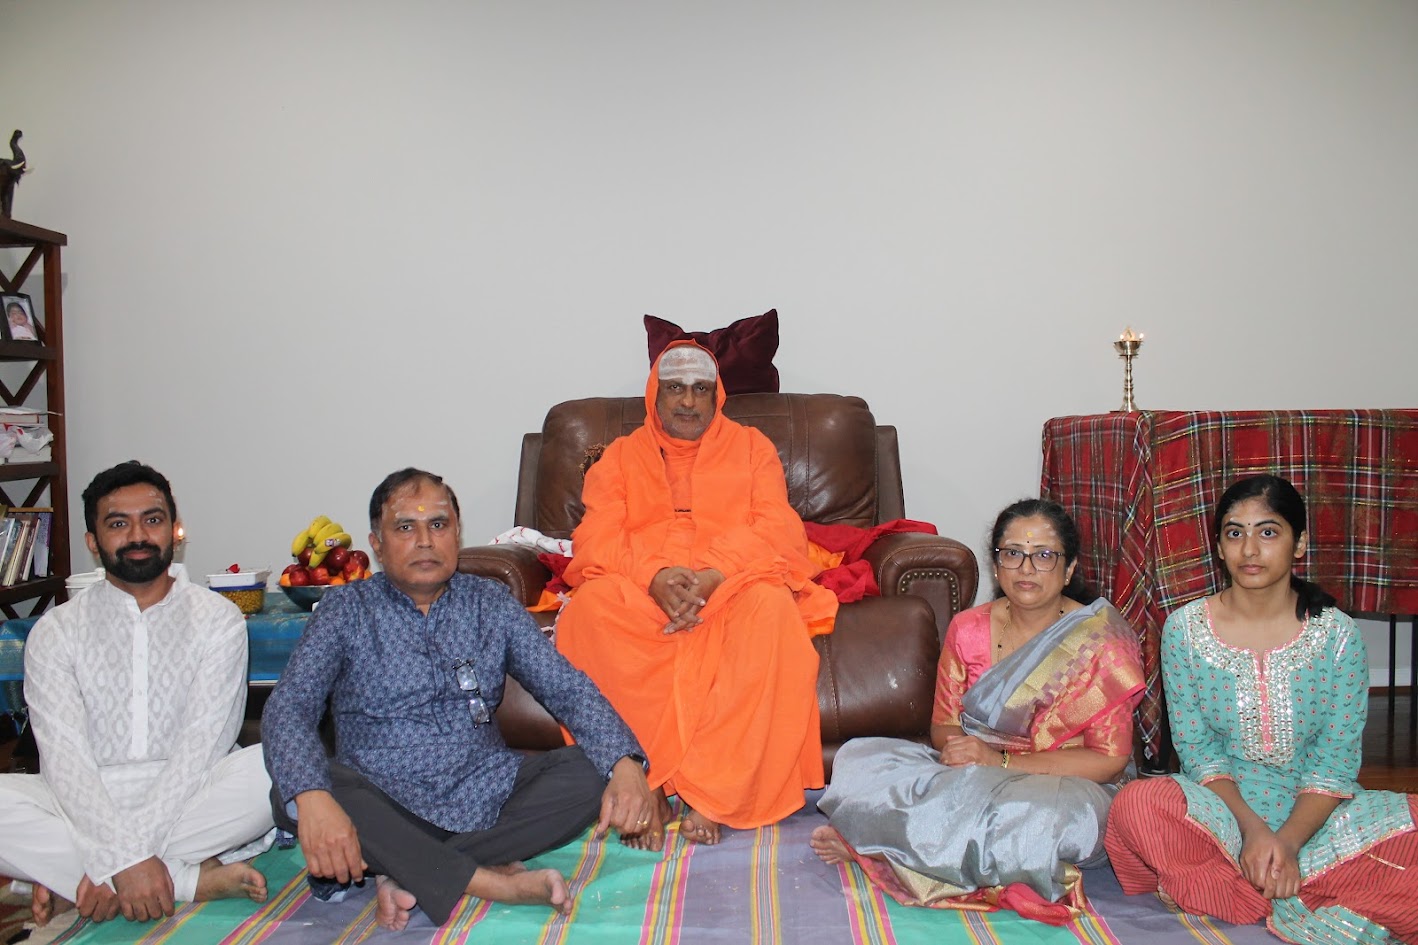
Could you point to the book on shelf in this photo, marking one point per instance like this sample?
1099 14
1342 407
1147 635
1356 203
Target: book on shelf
26 540
41 542
11 530
27 566
24 417
11 571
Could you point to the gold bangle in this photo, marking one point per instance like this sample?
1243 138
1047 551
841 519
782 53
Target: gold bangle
1005 762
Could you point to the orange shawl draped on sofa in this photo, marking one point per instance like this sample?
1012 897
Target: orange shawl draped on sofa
727 712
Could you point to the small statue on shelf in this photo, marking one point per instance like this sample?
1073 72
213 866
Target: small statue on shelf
10 173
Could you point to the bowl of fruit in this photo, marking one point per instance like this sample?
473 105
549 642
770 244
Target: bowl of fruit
323 559
305 596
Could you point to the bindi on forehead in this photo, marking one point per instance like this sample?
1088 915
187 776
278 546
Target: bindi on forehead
426 506
416 502
1254 527
1031 533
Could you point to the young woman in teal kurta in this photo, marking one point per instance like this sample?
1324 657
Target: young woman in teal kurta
1267 693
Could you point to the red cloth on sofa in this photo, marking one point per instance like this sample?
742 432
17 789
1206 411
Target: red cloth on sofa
853 579
850 581
557 565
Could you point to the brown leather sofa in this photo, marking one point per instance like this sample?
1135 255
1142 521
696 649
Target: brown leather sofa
877 675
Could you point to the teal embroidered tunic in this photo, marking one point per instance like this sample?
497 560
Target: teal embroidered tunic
1281 723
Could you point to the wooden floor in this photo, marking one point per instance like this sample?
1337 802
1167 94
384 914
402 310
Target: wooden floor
1390 745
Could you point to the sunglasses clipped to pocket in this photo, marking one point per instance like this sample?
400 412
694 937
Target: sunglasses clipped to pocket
467 678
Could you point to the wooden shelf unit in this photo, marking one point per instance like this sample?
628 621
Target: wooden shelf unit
38 261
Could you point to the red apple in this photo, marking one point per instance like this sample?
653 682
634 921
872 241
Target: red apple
352 570
361 557
299 577
320 575
292 568
336 560
304 556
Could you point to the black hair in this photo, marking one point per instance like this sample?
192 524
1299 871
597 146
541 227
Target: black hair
131 473
396 481
1284 500
1077 588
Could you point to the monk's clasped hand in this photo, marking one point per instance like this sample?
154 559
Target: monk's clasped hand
676 591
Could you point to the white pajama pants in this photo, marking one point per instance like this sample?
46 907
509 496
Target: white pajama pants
232 809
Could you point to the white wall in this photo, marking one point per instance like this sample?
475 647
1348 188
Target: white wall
314 241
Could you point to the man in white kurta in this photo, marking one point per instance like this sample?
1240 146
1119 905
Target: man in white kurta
136 690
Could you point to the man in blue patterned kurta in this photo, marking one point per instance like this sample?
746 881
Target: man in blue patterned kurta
423 792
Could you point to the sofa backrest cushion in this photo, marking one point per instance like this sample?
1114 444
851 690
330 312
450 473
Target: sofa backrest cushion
827 442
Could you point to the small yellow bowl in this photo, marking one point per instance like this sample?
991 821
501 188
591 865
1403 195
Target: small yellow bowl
245 589
250 600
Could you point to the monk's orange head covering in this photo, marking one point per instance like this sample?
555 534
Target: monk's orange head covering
652 397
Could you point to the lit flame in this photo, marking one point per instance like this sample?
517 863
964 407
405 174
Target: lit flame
1130 335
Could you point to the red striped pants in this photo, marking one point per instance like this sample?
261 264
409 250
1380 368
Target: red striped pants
1153 845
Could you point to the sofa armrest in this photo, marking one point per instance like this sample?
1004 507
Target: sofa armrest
940 569
514 565
877 669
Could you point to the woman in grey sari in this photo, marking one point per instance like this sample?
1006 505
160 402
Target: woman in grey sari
1031 736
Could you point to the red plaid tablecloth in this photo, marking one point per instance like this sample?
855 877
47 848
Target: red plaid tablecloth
1142 487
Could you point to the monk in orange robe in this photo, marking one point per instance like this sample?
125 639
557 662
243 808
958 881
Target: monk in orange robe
694 607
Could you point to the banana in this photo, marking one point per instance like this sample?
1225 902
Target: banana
307 537
329 531
343 538
326 538
320 536
298 543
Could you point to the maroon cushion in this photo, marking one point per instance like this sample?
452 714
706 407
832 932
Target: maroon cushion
744 350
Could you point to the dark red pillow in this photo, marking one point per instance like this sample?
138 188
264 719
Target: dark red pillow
744 350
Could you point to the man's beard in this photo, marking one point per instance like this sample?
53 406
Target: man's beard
137 572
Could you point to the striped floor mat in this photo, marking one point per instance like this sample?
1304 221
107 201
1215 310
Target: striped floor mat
762 886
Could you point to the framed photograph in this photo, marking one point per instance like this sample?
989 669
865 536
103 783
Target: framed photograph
19 323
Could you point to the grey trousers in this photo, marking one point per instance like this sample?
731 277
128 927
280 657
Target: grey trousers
556 796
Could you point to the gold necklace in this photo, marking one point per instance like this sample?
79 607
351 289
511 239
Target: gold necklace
1009 625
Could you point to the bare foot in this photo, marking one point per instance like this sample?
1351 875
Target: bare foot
524 887
230 881
699 829
45 905
395 904
829 846
653 836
